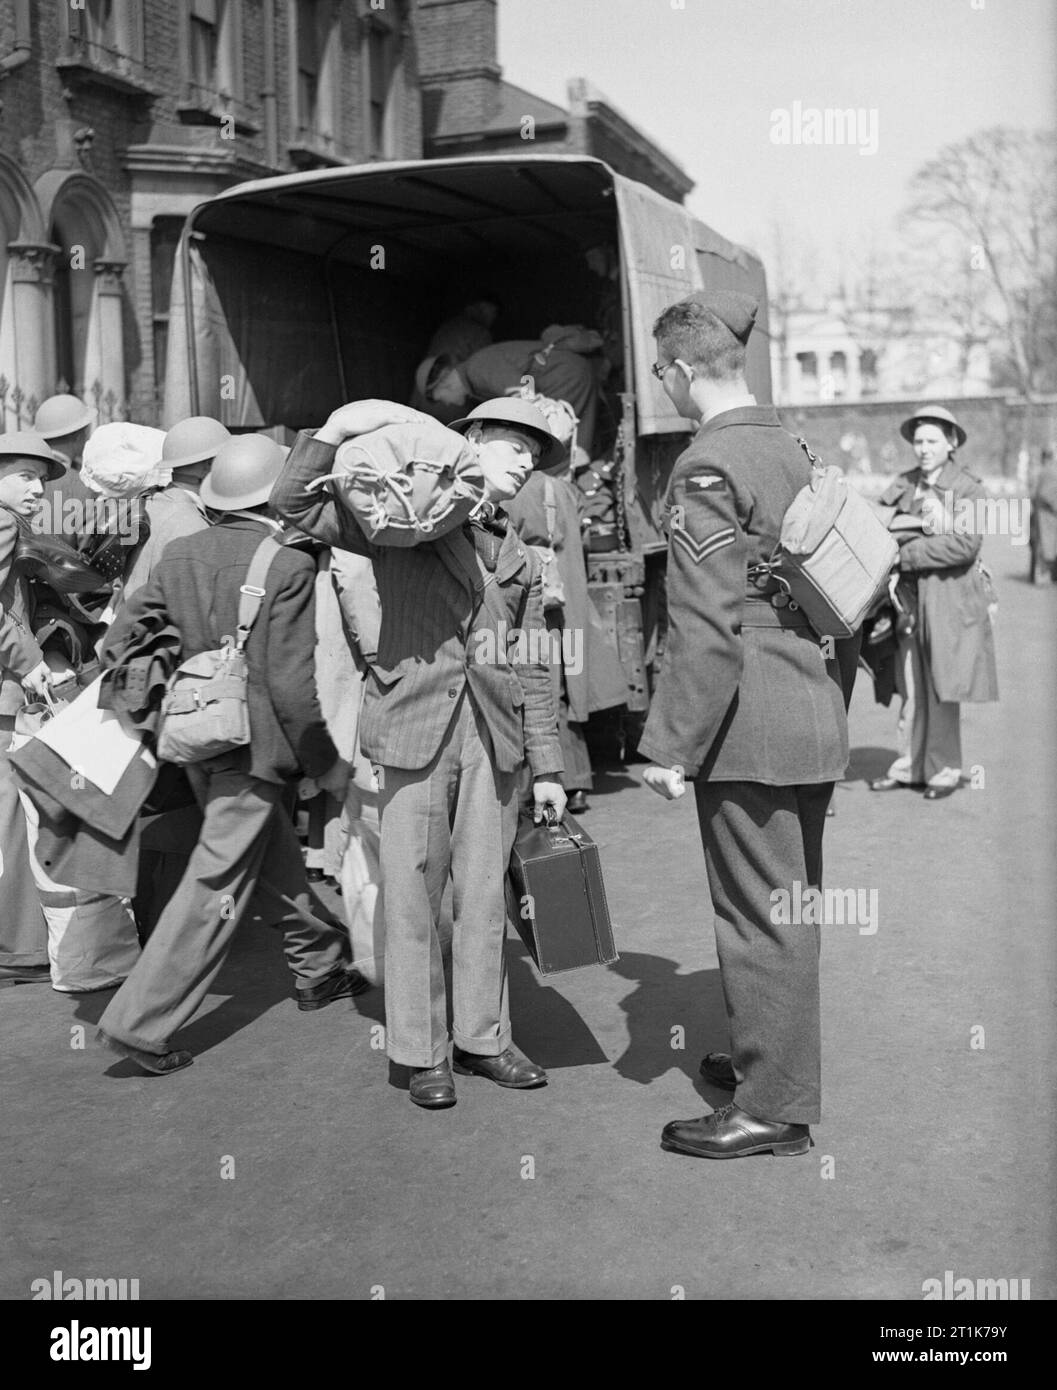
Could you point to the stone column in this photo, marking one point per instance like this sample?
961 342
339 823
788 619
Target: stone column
29 360
104 359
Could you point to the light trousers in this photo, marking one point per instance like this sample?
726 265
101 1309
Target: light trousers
930 743
455 817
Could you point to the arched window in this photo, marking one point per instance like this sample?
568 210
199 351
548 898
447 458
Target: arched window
87 308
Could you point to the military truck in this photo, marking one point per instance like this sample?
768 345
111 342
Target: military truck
294 294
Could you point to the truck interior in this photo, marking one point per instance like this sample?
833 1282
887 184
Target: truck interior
312 289
331 286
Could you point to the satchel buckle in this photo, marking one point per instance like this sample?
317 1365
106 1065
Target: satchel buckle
252 590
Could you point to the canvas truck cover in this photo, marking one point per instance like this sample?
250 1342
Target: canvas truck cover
276 315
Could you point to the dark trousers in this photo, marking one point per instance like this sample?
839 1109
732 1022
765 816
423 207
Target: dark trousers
757 839
247 845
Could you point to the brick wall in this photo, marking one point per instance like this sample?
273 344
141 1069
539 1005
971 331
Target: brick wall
42 110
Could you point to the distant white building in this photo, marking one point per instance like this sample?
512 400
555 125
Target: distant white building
853 354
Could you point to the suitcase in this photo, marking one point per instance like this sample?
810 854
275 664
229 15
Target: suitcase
556 898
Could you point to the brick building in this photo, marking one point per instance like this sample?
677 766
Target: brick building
467 108
117 117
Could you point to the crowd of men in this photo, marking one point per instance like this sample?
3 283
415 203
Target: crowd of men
363 595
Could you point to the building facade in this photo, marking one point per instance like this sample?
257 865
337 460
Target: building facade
843 352
117 117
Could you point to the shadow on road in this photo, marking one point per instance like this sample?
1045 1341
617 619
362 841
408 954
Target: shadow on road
867 763
665 1001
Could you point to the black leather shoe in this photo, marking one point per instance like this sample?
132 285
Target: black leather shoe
315 875
433 1087
342 984
732 1133
158 1063
577 803
718 1068
938 793
511 1068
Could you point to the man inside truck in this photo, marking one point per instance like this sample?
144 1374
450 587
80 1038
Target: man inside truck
563 373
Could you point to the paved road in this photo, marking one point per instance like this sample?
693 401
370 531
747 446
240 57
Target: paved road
933 1155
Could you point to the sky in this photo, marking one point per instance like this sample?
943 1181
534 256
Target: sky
704 79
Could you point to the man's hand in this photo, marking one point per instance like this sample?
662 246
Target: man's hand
37 680
666 781
544 794
59 667
336 779
360 417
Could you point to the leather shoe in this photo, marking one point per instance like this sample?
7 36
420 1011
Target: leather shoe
887 784
511 1068
157 1063
577 803
938 793
719 1069
732 1133
342 984
433 1087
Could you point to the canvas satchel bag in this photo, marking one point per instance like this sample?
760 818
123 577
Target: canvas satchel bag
834 554
205 711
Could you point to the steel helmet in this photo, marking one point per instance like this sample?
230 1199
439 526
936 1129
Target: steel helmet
513 410
244 472
62 415
27 444
935 415
194 440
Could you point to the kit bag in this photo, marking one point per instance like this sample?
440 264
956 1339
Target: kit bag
834 554
205 711
550 574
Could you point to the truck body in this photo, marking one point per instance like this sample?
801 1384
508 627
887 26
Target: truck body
297 293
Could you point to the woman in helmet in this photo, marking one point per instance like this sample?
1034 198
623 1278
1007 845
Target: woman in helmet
946 647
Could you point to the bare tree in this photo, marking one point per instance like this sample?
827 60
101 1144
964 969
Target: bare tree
996 192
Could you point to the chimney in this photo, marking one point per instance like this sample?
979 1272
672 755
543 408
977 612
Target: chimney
456 42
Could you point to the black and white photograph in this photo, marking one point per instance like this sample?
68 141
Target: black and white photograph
528 658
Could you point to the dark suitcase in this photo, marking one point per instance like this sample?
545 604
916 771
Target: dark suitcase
556 897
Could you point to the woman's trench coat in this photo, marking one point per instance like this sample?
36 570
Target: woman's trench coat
954 622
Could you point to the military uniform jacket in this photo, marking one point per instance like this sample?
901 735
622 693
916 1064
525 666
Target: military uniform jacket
745 692
442 630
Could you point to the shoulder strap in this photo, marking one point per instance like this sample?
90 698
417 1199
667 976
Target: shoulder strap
252 592
550 508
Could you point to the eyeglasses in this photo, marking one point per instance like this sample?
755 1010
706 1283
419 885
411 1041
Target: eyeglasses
659 368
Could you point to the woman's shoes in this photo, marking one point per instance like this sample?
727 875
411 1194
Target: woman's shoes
938 793
886 784
577 803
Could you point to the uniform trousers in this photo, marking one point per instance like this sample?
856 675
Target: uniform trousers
457 816
247 844
759 838
930 745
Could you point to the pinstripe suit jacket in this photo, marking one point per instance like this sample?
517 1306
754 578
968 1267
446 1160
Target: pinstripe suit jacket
745 693
440 633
